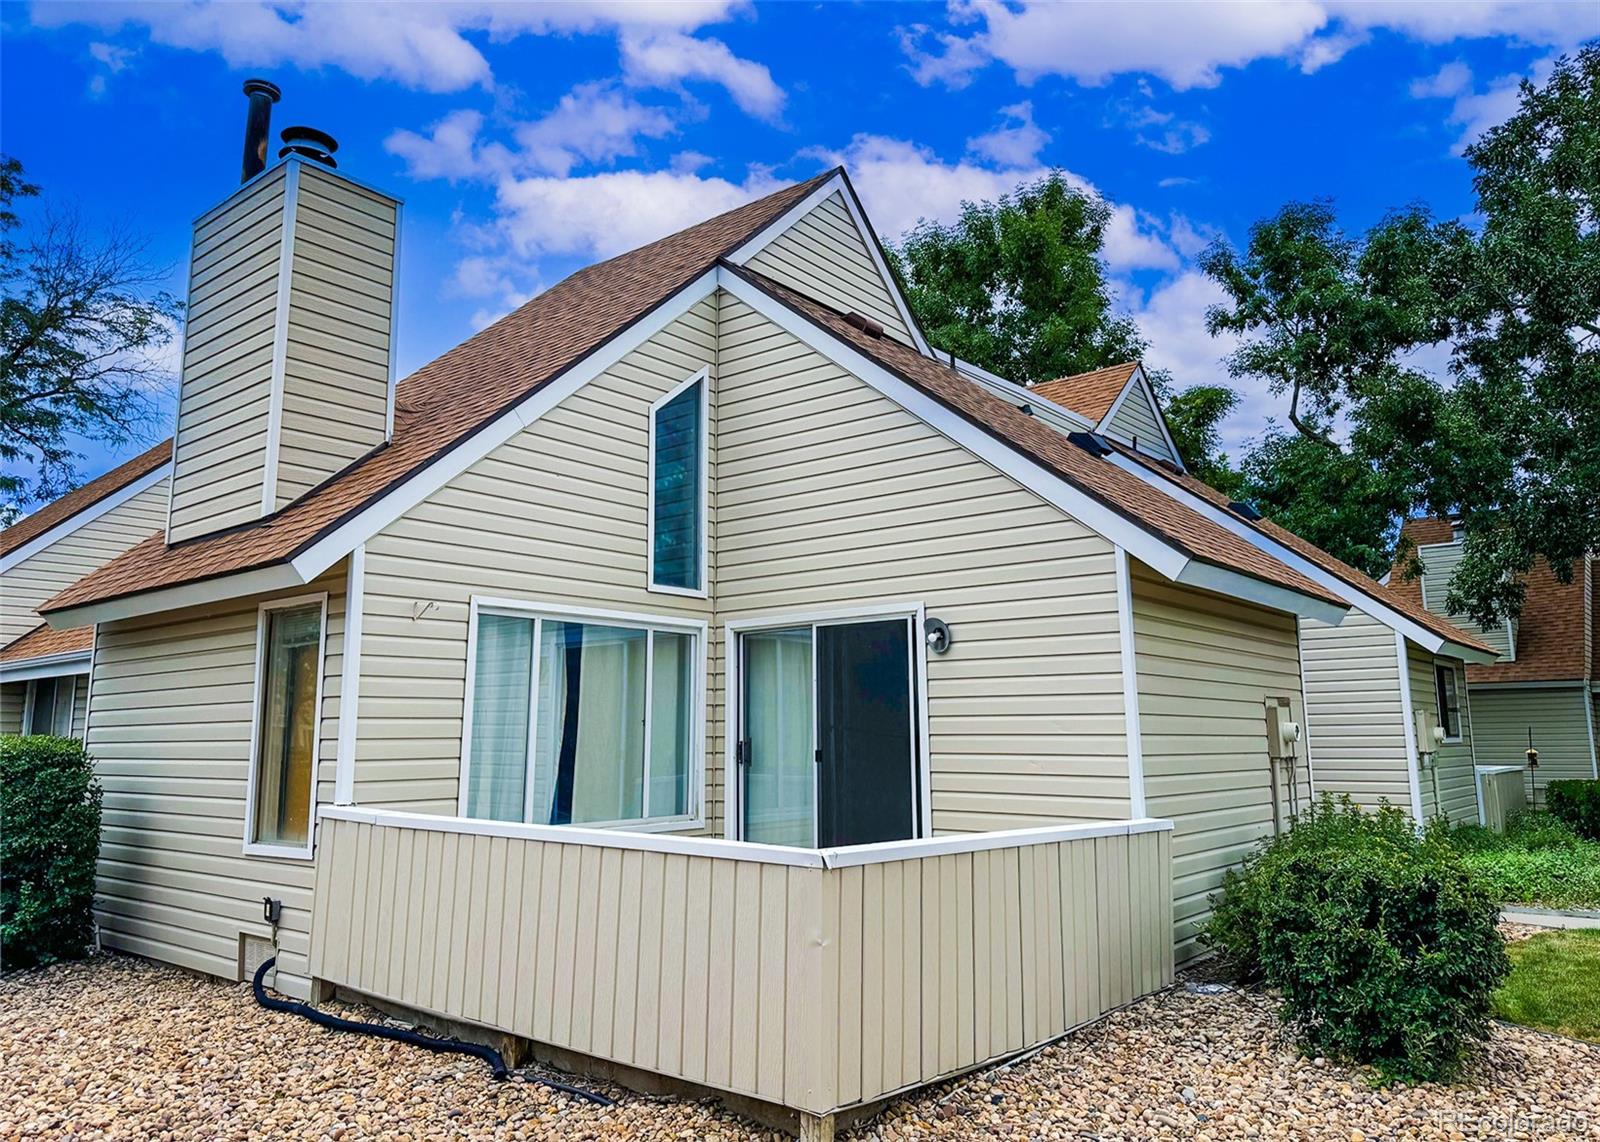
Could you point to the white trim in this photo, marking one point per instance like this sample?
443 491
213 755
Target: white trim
1137 377
774 230
422 483
847 857
106 503
1305 714
88 697
344 770
1355 596
911 610
1588 718
274 577
258 848
1130 686
394 325
1224 581
702 377
47 666
1408 718
280 339
539 610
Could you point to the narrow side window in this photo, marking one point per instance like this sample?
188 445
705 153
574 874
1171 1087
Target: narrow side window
677 489
1444 678
286 726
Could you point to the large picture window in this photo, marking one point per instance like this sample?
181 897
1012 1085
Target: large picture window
580 719
283 773
678 489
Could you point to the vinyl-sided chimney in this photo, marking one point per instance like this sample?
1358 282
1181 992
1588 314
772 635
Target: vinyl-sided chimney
288 341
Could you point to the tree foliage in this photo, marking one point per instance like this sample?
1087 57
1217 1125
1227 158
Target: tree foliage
1018 286
81 324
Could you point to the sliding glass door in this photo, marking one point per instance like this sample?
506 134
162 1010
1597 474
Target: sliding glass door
827 749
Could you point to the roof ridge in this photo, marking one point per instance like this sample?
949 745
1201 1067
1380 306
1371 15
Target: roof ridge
80 499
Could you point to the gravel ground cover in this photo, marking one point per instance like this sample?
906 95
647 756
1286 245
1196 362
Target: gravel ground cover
119 1048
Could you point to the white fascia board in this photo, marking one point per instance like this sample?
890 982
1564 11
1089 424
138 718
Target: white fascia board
1358 599
88 515
46 666
276 577
835 185
1210 577
410 492
1144 545
1137 380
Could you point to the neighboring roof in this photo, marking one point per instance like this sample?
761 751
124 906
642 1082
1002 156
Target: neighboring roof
1549 636
1088 394
43 642
451 399
59 511
1143 505
1410 607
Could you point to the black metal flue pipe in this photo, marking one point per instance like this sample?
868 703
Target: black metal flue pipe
257 126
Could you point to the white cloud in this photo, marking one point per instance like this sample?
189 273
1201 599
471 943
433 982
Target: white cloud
1172 319
430 46
1476 110
1017 143
593 123
1190 45
450 150
1449 81
1162 130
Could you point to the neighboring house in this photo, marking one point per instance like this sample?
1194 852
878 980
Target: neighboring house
1378 682
1542 689
44 673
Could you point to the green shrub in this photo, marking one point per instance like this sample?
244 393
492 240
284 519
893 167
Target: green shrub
1578 804
49 838
1538 860
1380 941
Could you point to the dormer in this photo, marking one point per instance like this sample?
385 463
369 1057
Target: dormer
287 352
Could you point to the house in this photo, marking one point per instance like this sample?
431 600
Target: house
1379 682
44 673
1541 690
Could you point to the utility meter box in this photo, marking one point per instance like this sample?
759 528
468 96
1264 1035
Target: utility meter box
1429 735
1283 733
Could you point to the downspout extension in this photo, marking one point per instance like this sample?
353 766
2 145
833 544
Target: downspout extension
401 1035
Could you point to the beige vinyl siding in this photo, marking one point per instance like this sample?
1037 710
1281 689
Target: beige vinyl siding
1355 719
1440 561
1136 420
57 566
811 987
170 733
1206 667
13 700
1453 774
1556 715
226 391
825 256
557 514
336 358
831 496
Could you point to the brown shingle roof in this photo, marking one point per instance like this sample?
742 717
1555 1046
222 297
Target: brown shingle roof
42 640
1550 633
449 400
1121 491
1360 580
1088 394
60 510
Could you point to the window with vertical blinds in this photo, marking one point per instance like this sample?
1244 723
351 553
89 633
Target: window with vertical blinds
286 731
677 490
581 722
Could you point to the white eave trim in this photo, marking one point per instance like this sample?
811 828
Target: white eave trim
1137 380
838 184
46 666
1357 598
1210 577
276 577
88 515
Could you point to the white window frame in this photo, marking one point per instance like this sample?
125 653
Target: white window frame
1439 700
733 775
253 847
539 610
72 701
702 377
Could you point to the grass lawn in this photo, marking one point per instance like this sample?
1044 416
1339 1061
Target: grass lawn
1555 983
1537 861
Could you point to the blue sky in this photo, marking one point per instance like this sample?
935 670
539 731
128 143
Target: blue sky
528 140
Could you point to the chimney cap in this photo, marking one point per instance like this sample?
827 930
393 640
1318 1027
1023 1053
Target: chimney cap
263 87
309 143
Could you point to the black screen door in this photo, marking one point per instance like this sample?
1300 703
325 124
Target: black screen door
866 751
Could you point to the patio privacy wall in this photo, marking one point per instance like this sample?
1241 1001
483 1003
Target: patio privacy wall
813 980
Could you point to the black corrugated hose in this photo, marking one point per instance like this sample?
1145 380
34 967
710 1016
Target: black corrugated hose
401 1035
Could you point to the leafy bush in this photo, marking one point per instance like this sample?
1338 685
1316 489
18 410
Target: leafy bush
1539 860
1381 942
49 838
1578 804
